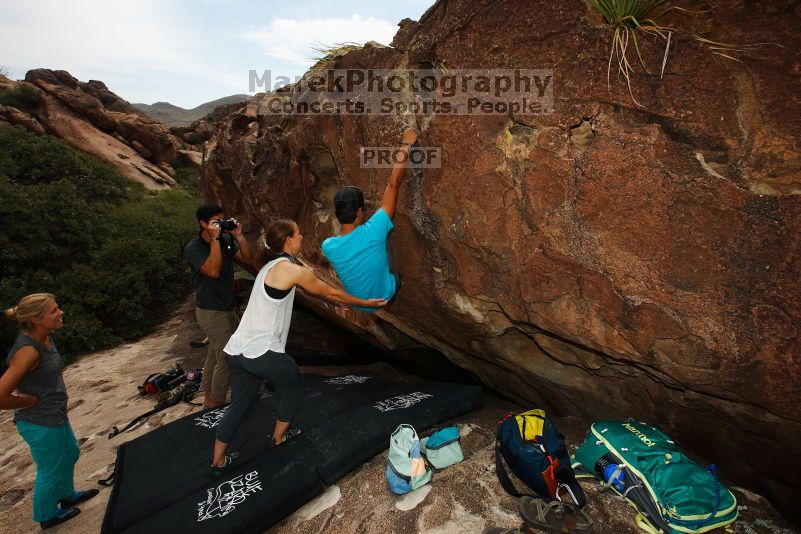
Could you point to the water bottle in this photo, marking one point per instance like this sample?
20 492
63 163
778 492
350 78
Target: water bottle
605 468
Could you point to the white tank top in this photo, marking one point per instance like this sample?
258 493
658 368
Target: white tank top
265 323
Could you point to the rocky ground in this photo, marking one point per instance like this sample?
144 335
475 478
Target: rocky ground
464 498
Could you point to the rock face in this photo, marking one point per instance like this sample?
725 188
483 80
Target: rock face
93 119
603 260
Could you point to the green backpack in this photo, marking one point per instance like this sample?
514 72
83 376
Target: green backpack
671 492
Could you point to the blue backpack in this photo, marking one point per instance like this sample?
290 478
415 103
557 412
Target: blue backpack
536 453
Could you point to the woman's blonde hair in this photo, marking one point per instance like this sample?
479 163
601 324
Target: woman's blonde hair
29 307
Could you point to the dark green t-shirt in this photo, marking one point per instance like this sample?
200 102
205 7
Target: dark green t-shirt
46 382
213 293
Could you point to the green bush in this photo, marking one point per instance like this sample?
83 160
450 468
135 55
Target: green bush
23 97
110 251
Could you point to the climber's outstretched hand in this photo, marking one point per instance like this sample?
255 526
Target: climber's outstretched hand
409 136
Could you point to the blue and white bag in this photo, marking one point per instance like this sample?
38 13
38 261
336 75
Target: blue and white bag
406 469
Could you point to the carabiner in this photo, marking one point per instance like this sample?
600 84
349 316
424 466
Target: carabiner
569 491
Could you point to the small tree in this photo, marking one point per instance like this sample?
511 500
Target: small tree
22 97
72 226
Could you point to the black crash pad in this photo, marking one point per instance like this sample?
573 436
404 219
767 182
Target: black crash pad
162 482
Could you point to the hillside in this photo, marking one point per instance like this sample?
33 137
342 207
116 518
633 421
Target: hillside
93 119
171 115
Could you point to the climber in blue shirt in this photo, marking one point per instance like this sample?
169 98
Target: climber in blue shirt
359 253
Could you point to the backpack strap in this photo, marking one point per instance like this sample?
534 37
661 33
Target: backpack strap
566 477
149 377
179 378
503 476
115 430
189 392
500 470
109 480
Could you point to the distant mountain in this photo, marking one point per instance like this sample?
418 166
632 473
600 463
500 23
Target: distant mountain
171 115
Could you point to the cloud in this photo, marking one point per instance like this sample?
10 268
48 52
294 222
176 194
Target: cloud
95 36
148 50
293 40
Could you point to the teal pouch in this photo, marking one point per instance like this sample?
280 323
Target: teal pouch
443 447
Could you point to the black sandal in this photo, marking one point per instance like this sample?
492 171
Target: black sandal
77 497
555 517
65 514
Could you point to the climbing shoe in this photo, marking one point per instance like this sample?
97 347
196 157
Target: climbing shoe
228 462
292 433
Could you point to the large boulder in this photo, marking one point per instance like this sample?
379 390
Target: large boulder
63 86
149 132
603 260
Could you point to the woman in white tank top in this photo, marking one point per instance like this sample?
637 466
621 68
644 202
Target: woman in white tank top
256 350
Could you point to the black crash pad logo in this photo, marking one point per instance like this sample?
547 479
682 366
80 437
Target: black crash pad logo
347 379
401 401
224 499
210 419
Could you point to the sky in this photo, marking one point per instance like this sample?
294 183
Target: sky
186 52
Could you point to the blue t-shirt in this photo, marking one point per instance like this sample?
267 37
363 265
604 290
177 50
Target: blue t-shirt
360 259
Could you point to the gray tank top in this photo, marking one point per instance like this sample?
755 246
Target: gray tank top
46 382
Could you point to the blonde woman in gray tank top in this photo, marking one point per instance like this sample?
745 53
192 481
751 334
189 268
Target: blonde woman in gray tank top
33 387
256 350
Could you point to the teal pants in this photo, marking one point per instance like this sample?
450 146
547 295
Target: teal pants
55 451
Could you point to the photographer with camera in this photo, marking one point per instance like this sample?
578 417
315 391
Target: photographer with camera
211 256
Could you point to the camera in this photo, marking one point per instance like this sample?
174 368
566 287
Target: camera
226 225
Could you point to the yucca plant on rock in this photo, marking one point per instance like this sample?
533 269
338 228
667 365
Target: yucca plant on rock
327 52
629 17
